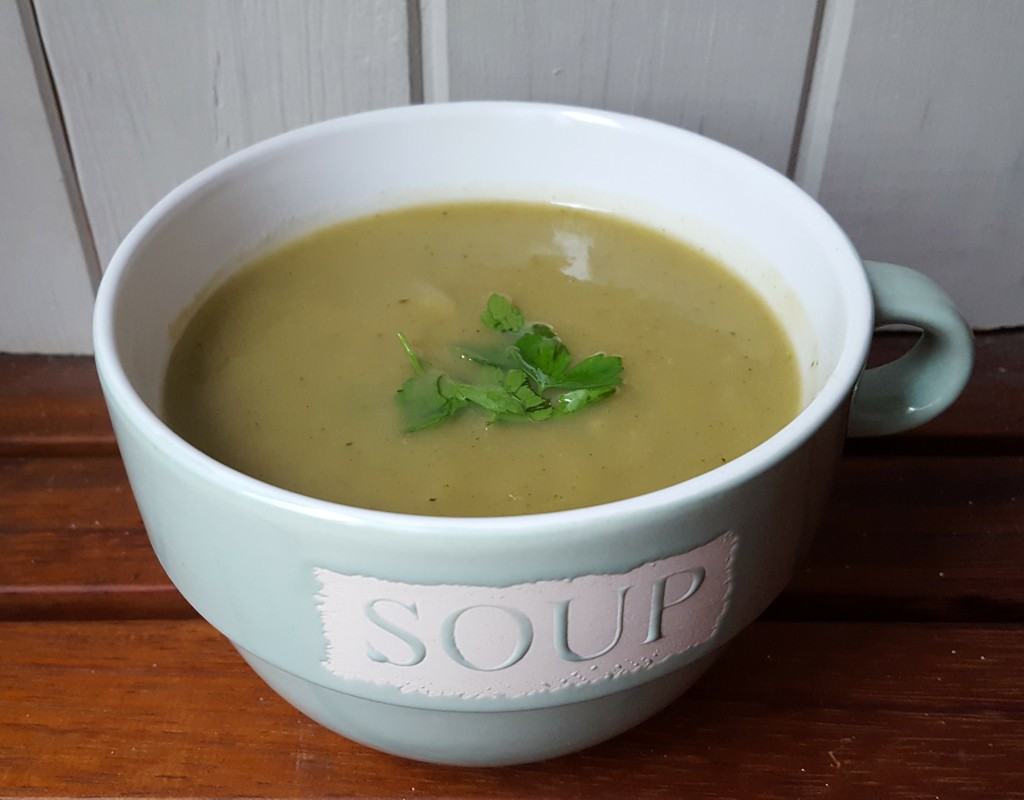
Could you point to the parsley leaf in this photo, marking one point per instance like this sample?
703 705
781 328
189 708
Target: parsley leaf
421 397
490 397
501 315
531 378
594 372
544 358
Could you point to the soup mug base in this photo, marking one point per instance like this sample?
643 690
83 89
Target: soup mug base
482 739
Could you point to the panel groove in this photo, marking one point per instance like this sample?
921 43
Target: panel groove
920 154
153 92
58 131
414 25
836 27
805 92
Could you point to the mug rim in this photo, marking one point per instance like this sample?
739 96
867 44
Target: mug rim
119 389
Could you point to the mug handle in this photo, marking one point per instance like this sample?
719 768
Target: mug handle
924 382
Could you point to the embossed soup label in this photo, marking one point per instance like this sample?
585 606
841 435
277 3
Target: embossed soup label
481 641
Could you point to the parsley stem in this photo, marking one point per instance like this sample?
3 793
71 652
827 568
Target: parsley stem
415 359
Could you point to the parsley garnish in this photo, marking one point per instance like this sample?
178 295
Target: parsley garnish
529 375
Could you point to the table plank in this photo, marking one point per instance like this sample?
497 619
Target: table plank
903 539
72 544
52 404
112 686
167 709
66 493
916 539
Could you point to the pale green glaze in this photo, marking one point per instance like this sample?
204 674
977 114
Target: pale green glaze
924 382
247 554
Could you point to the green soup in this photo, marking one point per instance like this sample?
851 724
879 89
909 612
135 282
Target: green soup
288 371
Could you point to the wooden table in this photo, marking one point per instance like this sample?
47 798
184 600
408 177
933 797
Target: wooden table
892 667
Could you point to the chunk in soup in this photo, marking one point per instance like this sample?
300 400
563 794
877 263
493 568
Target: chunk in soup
288 371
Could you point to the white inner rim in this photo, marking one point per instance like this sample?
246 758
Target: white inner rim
250 188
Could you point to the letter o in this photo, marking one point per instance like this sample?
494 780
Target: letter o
524 630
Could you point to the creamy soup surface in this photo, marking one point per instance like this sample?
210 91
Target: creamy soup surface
288 371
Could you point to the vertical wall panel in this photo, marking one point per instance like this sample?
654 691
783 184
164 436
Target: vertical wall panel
153 91
924 163
914 138
45 288
733 71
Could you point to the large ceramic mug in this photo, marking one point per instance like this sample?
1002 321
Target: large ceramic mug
507 639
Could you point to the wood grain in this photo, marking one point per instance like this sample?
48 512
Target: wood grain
46 494
153 91
52 405
46 296
920 539
808 710
890 667
733 73
85 575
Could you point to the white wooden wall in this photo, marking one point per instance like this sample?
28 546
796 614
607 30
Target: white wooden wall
904 117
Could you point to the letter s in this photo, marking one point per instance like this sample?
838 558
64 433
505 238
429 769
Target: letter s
417 649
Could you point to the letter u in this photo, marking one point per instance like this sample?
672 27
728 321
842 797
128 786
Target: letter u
561 630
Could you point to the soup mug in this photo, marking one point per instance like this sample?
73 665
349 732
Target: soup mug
500 640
